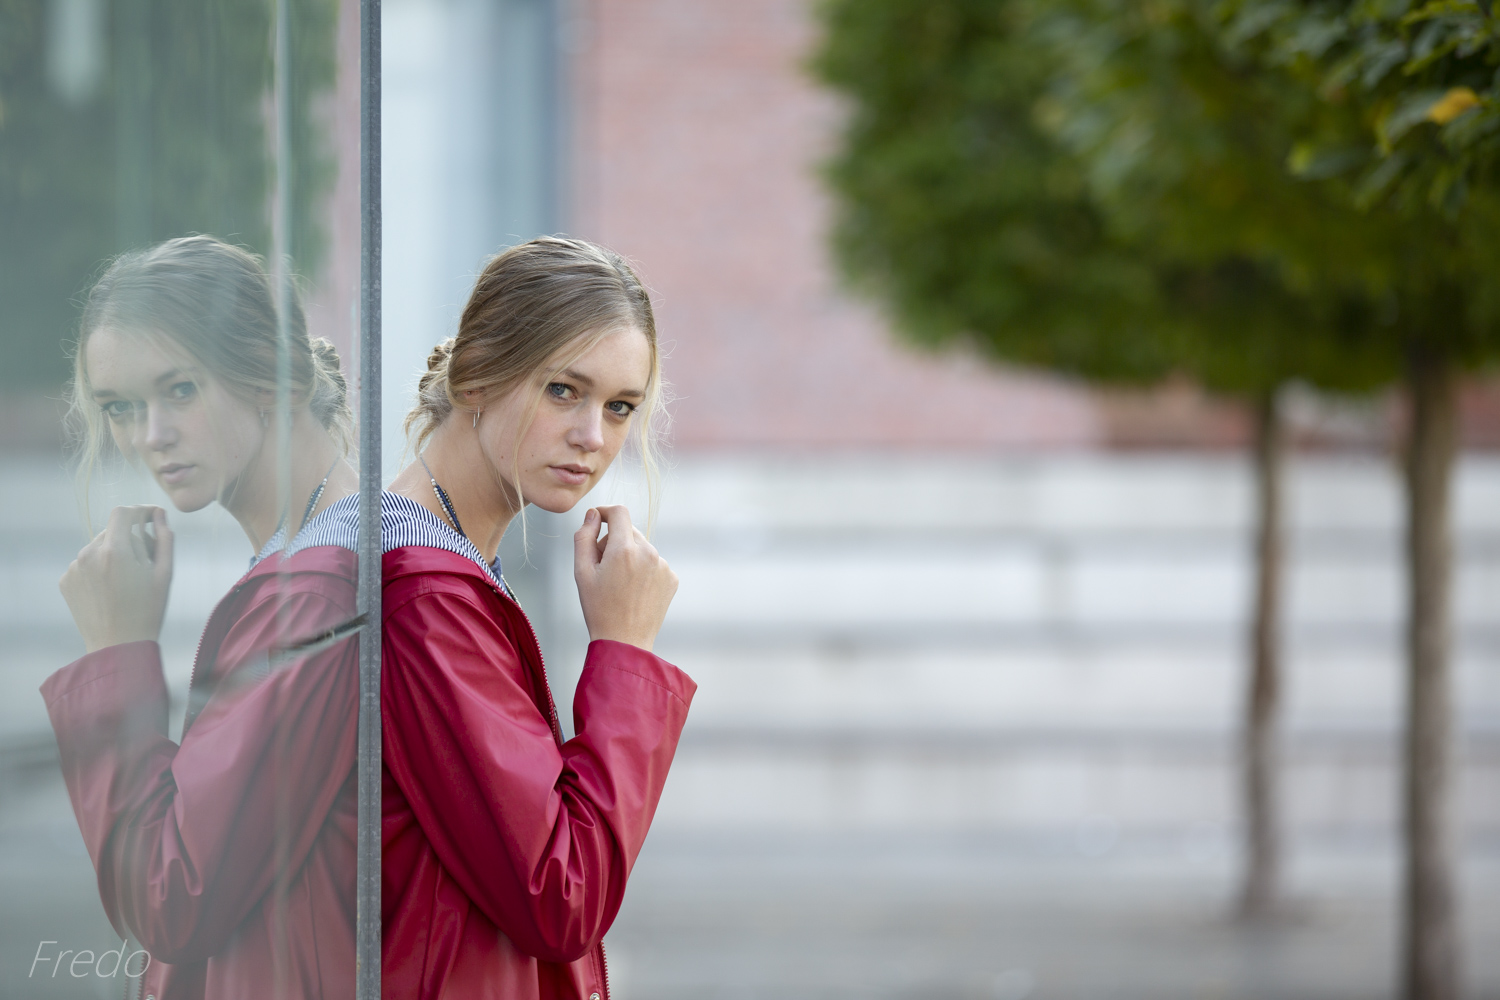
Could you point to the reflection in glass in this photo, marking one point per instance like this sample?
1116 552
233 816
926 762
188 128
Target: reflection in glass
124 124
227 858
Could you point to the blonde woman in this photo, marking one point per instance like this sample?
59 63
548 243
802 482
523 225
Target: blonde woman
506 849
230 855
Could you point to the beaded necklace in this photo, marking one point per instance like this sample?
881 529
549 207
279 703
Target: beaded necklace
442 496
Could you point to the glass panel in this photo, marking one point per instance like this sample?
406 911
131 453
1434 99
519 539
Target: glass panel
179 261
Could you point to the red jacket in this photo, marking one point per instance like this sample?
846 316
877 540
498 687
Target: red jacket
506 850
188 840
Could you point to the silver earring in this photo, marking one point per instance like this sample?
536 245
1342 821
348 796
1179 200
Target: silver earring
476 416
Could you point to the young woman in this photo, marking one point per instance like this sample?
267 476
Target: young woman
230 855
506 848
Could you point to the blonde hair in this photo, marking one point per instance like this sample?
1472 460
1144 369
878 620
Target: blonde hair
215 302
536 307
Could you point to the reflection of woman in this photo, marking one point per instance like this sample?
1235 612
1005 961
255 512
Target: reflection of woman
230 857
506 849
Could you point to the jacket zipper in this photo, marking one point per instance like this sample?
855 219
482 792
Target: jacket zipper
540 659
134 987
557 735
198 654
193 674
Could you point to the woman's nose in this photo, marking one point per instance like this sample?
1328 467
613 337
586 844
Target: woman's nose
588 432
158 429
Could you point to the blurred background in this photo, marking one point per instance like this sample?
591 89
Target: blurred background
971 625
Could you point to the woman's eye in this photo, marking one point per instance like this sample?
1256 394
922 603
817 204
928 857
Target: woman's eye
620 408
117 409
560 390
182 391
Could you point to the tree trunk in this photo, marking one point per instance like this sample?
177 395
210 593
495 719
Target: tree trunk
1262 834
1430 946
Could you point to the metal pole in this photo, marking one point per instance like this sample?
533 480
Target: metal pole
367 898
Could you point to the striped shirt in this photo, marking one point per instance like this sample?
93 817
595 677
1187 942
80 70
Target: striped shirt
336 524
403 522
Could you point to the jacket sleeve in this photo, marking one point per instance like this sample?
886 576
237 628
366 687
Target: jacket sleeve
539 837
188 839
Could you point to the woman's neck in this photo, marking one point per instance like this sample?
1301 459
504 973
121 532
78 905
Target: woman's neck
482 500
260 506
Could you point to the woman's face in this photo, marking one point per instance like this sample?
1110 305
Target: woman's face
580 424
195 436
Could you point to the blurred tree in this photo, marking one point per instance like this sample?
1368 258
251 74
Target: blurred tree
1096 187
1186 145
1416 81
128 122
958 210
1408 123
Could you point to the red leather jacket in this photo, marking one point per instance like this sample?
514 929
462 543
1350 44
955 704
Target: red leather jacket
506 850
230 857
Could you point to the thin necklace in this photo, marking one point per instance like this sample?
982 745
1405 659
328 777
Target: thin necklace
447 503
442 496
312 502
317 495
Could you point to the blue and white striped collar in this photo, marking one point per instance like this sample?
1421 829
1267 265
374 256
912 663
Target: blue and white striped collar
336 524
405 522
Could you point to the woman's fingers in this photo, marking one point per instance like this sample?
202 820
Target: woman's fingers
624 585
117 587
586 549
617 516
162 557
126 530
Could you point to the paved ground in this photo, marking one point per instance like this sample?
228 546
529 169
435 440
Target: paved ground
1005 921
787 919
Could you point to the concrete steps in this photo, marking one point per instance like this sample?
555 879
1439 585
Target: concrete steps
1034 643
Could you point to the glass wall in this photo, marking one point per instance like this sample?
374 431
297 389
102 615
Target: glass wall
179 289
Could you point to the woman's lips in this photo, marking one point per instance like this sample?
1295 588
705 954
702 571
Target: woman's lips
172 475
573 475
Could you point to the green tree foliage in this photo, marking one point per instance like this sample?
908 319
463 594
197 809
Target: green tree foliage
1098 187
1186 145
171 139
1421 81
1384 121
959 210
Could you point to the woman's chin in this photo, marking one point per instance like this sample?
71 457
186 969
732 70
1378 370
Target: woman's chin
555 500
188 500
556 505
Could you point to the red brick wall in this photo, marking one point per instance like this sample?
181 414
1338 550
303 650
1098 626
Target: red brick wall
696 139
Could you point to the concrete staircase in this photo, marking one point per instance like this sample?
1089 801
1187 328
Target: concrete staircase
1047 647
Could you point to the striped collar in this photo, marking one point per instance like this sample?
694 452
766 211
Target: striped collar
337 524
405 522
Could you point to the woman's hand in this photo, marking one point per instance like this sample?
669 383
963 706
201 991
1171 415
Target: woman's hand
117 587
624 585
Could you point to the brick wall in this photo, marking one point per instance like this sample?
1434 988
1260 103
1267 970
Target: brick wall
697 137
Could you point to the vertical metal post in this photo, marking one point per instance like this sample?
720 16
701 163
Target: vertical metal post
367 930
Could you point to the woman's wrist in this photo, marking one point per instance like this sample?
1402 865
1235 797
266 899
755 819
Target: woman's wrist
639 640
94 645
